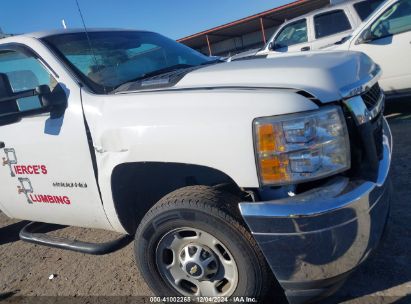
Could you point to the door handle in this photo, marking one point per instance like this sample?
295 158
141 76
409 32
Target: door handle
2 145
306 48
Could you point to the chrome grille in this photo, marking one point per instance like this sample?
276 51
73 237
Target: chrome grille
372 96
374 101
378 137
367 113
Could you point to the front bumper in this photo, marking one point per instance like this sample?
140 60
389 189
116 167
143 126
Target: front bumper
314 240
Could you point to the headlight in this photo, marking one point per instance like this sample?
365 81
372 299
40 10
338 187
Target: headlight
302 147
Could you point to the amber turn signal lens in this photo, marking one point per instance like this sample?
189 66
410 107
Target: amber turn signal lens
274 170
266 138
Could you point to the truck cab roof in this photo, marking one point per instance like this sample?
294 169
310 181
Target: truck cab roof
43 34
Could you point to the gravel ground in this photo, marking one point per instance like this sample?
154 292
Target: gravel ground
25 268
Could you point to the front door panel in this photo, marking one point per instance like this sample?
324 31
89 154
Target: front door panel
46 171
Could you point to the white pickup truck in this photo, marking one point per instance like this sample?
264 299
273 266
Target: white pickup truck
252 178
385 36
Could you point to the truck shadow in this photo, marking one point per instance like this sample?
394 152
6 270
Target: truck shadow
404 300
10 233
6 295
398 108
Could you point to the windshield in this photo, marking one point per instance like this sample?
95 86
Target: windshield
106 60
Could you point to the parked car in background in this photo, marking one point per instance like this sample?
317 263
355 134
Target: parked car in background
386 38
318 29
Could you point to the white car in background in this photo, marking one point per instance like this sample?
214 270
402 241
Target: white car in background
317 30
386 38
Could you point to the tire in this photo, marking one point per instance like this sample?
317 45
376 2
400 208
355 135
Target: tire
199 212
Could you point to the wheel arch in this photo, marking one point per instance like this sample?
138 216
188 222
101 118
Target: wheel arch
137 186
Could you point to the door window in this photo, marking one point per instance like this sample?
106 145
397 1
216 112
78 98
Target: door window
331 23
397 19
24 73
291 34
365 8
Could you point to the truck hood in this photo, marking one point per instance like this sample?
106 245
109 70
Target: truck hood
328 76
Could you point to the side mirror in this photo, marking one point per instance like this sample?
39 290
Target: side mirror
9 107
42 90
272 46
52 101
366 37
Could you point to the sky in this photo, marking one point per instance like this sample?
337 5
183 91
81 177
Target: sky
172 18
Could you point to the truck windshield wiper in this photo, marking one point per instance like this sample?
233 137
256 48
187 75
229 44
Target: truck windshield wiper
213 61
152 74
166 70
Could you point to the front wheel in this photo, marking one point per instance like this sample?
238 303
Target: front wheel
191 244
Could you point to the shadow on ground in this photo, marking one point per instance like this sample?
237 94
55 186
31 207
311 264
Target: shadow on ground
10 233
6 295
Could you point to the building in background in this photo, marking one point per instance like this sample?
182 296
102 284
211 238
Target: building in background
251 32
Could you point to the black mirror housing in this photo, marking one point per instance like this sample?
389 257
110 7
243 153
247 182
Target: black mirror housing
366 37
7 104
43 90
51 102
272 46
55 101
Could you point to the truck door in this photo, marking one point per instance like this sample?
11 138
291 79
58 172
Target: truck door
388 42
46 169
293 37
330 27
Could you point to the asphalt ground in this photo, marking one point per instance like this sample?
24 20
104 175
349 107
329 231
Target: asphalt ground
77 278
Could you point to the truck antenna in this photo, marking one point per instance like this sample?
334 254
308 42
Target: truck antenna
88 39
82 20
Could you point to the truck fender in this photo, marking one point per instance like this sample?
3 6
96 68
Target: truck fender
136 187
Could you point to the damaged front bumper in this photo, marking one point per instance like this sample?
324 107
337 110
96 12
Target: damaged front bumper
314 240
